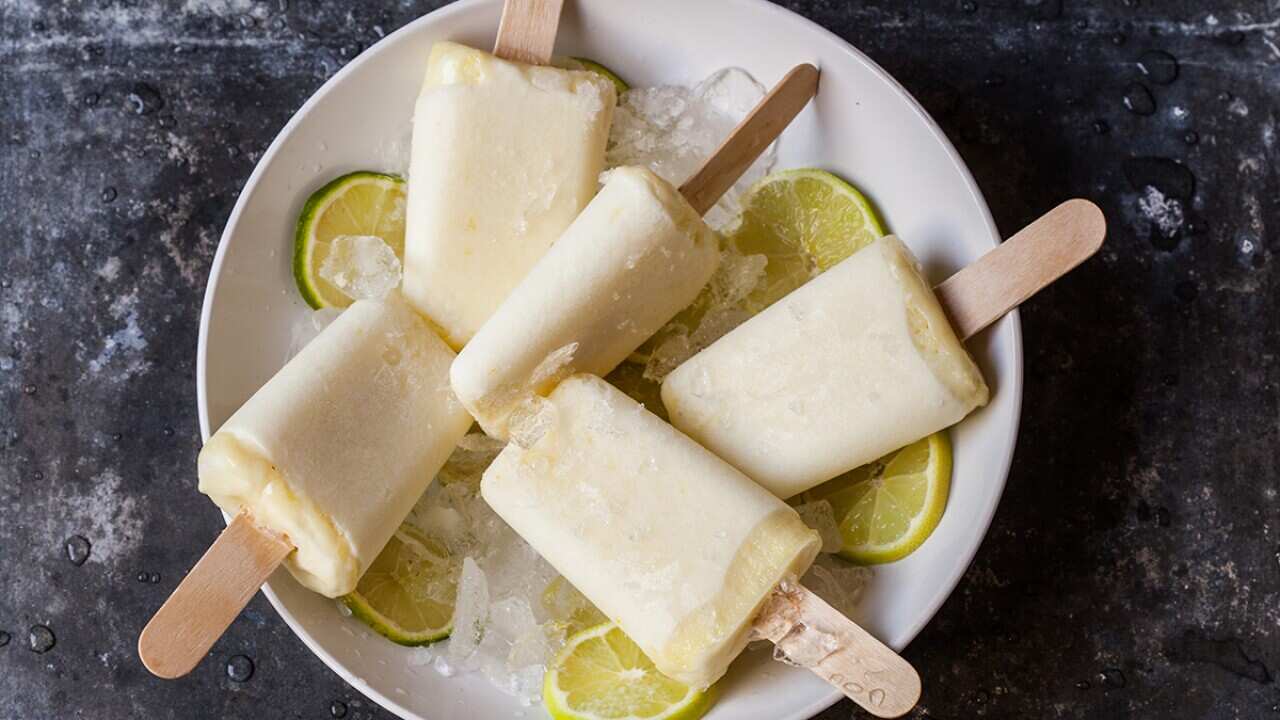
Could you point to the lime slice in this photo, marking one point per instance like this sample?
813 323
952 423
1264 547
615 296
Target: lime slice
601 674
359 203
581 63
407 594
886 509
804 221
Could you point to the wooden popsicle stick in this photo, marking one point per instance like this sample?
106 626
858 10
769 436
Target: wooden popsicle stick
527 30
1024 264
818 637
210 597
750 138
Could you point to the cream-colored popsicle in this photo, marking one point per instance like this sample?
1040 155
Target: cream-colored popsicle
664 537
856 363
337 447
635 256
505 155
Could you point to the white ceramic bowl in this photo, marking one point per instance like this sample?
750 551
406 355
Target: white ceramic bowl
862 125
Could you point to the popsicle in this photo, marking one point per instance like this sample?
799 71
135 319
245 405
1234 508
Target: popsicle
320 466
862 359
505 155
635 257
678 547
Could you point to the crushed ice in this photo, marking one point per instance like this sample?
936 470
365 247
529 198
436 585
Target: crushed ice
673 129
508 620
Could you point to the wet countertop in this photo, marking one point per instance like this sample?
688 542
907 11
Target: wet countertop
1133 568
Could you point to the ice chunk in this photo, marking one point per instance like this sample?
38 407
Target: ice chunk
672 130
530 420
469 459
422 656
470 615
838 581
362 266
819 516
736 276
306 327
442 523
555 364
805 646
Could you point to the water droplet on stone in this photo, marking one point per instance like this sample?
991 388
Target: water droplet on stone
1159 66
247 21
1191 137
117 436
91 99
994 81
167 121
981 697
168 431
4 638
1083 685
40 639
38 475
1112 677
969 6
1137 98
1101 127
1081 24
29 389
1225 96
338 709
1119 39
77 547
109 195
1231 38
239 668
279 24
1168 176
144 99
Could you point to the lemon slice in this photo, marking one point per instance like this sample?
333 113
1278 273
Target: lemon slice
804 221
600 673
581 63
886 509
407 594
357 204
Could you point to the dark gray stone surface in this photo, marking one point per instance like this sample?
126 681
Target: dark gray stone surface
1133 569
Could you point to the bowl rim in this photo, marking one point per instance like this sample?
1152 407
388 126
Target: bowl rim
1013 383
